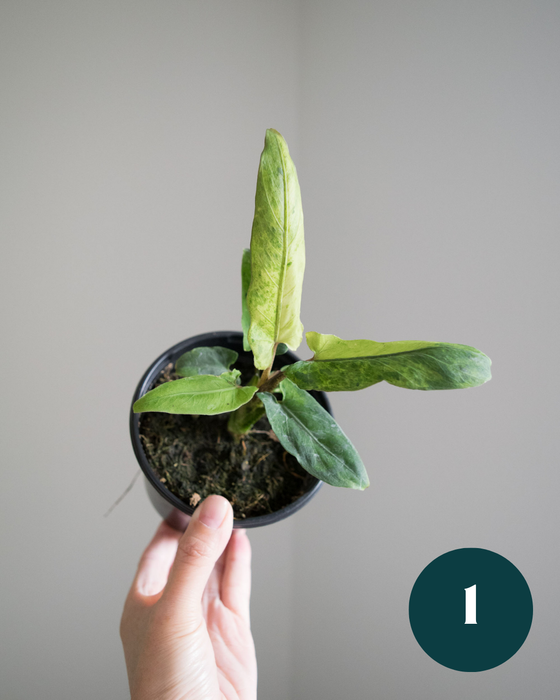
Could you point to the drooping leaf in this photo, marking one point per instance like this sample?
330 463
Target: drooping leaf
277 254
348 365
245 282
202 394
282 349
311 434
205 360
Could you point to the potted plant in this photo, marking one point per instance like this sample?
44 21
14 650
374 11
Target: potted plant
239 414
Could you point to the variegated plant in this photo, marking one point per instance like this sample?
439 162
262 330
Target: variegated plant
272 277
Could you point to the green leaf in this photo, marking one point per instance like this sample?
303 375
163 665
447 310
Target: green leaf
202 394
277 254
205 360
245 282
242 420
311 434
282 349
348 365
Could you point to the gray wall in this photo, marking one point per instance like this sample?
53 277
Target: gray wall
131 133
430 169
425 135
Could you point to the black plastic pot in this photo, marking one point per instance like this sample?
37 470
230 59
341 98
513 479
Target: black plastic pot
171 508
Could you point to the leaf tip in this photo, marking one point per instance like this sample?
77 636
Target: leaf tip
362 480
273 133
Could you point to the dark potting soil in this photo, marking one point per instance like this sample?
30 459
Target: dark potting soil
195 456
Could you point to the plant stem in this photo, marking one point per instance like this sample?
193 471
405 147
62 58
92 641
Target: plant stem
272 382
265 375
245 417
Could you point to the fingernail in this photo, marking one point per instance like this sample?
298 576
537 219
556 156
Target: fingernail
212 511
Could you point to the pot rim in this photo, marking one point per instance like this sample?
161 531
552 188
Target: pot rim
171 355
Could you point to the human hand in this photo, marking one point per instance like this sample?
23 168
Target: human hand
185 626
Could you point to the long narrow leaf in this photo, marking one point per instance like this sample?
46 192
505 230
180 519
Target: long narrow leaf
199 395
348 365
311 434
277 254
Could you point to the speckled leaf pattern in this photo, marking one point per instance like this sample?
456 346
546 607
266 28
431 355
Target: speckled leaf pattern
199 395
206 360
245 282
277 254
311 434
348 365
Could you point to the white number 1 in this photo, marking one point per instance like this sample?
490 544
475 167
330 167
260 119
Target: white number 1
470 605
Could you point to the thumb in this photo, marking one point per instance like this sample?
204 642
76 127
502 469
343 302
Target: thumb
199 549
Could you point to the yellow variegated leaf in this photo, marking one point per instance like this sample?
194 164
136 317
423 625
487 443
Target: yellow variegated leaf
277 254
348 365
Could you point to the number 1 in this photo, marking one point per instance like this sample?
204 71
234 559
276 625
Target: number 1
470 605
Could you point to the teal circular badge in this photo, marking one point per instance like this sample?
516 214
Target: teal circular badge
470 609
